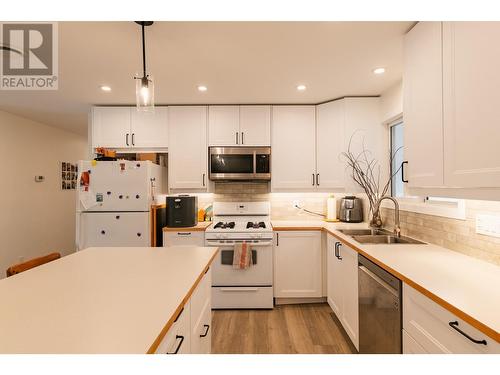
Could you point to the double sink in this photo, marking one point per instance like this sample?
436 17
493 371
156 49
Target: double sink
379 236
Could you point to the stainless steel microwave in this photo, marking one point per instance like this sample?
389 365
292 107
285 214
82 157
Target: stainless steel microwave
240 163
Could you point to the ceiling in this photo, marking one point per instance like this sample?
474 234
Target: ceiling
239 62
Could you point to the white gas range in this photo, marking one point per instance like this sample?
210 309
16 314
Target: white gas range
236 222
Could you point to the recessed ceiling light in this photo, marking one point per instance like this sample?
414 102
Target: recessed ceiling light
105 88
301 87
378 70
202 88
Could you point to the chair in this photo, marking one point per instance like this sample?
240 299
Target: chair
32 263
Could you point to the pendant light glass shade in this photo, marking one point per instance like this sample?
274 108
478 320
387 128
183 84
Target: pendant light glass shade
145 93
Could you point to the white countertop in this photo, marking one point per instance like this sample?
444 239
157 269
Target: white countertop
469 284
99 300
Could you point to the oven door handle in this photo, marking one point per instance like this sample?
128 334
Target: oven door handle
230 244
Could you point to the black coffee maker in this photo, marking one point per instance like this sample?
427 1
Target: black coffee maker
182 211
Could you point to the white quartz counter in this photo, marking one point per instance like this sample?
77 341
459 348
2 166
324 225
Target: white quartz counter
461 284
99 300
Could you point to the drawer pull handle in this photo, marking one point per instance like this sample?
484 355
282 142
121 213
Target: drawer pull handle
178 346
454 325
206 332
183 233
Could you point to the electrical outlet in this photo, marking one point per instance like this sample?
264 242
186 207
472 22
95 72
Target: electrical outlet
488 225
295 203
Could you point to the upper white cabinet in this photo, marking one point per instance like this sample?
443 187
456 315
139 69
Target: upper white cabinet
187 152
450 88
223 125
297 264
149 129
422 105
125 127
293 147
471 79
255 125
330 118
111 127
233 125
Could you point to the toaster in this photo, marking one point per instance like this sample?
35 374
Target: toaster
351 210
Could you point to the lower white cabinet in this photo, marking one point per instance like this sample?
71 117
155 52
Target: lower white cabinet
182 238
342 286
438 331
191 332
410 346
297 264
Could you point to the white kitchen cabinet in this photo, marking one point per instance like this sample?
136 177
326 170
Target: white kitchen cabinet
330 168
191 331
471 57
410 346
422 105
255 125
126 128
224 125
233 125
201 316
111 127
149 129
364 129
293 137
184 238
187 151
343 286
437 330
297 264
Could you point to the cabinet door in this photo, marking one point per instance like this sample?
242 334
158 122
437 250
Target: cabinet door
149 129
330 168
293 147
364 128
187 150
111 127
255 125
410 346
422 105
334 277
224 125
471 57
297 264
350 315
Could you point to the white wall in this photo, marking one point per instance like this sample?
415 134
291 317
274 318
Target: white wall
391 102
35 218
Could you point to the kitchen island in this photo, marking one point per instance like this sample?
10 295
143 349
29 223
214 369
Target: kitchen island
101 300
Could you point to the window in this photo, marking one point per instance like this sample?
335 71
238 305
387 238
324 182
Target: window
446 207
397 152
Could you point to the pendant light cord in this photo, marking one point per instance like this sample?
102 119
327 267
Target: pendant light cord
143 50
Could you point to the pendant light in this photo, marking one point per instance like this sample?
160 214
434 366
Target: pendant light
144 86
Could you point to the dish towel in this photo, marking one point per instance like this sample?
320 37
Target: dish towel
242 256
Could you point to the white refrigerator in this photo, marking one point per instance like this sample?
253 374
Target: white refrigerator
114 200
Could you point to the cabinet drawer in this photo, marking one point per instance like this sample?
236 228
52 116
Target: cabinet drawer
183 238
242 297
201 332
410 346
201 298
177 340
429 324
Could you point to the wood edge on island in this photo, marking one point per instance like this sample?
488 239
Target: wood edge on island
178 311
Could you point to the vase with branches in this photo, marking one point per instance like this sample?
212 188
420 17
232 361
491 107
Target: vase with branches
366 171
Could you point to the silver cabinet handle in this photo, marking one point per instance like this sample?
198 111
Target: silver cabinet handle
126 139
183 233
237 137
203 179
317 179
133 139
242 138
312 180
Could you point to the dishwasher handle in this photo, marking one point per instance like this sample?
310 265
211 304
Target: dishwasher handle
379 281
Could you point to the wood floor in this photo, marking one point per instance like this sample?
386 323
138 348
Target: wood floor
287 329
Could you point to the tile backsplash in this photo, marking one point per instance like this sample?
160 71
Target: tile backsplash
457 235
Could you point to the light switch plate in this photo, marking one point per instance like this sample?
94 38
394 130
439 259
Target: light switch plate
488 225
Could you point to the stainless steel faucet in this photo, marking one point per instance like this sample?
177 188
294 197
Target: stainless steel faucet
397 229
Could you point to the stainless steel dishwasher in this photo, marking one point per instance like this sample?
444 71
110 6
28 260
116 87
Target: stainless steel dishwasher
380 309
